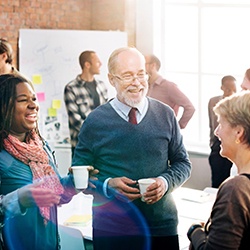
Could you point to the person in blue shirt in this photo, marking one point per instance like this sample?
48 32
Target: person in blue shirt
125 152
31 187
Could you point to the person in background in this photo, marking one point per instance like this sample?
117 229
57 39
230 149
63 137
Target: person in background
167 92
84 94
246 81
31 187
6 60
245 85
229 224
220 166
129 138
6 57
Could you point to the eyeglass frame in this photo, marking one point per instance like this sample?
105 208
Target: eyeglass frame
133 77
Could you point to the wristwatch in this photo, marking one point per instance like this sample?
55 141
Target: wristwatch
191 230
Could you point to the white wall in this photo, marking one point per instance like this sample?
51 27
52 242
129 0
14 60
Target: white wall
144 26
201 174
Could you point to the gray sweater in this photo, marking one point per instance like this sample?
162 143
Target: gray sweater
151 148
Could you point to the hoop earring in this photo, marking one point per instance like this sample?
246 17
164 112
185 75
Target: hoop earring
237 141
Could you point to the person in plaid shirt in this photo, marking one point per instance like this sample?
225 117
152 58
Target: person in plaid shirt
84 94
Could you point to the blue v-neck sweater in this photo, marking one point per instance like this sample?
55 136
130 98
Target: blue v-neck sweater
152 148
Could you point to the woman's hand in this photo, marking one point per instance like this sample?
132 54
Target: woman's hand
34 195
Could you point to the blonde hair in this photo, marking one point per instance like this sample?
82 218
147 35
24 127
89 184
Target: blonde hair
236 110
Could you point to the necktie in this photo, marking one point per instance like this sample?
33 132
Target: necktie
132 116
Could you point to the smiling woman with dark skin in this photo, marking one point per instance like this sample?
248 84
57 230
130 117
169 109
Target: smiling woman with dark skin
31 187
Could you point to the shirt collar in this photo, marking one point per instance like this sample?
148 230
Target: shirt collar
81 81
125 108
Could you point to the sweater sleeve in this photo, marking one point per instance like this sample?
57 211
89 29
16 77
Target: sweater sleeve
179 169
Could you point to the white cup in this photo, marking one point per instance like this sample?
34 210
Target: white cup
144 184
81 176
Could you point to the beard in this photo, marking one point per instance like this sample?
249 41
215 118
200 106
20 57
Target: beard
133 102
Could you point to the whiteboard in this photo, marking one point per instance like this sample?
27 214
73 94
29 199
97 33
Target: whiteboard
51 56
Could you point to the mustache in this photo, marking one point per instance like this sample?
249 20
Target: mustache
135 88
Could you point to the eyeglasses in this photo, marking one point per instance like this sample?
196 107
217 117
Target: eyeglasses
142 77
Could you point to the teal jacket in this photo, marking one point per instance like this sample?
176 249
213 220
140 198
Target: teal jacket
27 230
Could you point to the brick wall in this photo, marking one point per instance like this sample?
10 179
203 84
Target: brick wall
65 14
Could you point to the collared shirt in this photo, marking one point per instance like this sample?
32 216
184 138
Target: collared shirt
169 93
123 109
79 103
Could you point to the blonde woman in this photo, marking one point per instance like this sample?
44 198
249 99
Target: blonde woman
229 224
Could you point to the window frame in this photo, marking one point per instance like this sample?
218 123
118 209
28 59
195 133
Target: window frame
153 30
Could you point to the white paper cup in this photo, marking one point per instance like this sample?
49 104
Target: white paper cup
144 184
81 176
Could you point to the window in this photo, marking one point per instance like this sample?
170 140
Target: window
198 43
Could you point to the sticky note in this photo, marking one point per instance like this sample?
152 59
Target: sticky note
52 112
40 96
36 79
56 104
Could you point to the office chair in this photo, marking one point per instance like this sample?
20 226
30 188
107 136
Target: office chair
70 238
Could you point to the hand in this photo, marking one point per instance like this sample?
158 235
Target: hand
34 195
123 186
191 229
155 191
93 172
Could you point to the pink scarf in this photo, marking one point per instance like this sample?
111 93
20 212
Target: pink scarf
32 153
